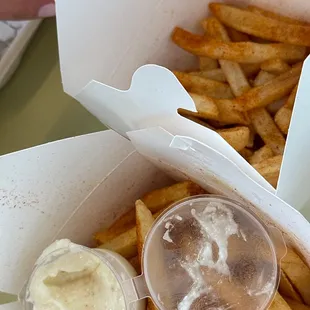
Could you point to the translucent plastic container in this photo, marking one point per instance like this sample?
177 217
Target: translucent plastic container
205 252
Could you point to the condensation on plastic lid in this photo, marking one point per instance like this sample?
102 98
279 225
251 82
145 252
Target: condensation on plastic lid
208 252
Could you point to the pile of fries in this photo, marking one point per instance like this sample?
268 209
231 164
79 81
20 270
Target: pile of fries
250 65
127 235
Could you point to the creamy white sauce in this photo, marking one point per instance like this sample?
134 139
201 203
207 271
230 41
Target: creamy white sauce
217 224
166 236
198 287
77 280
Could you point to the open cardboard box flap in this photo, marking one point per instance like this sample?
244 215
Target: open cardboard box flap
42 187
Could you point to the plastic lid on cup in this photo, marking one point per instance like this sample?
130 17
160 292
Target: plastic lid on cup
208 252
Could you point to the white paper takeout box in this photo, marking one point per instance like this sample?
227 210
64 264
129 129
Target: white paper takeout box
42 188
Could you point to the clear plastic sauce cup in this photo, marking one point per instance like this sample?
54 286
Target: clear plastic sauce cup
205 252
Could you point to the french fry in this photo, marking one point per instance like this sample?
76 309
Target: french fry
232 70
237 36
206 108
276 16
218 75
241 52
274 107
161 198
246 153
261 26
156 201
267 130
124 223
286 288
291 99
298 274
283 119
228 114
270 169
295 305
215 74
251 138
279 303
206 63
144 222
263 77
124 244
284 115
237 137
275 66
194 117
260 155
203 86
267 93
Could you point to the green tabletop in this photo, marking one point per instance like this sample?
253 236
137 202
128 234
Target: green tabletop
33 107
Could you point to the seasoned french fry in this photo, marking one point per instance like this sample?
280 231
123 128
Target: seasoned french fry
286 288
276 16
267 130
251 138
124 223
265 94
242 52
270 169
144 222
164 197
232 70
228 113
274 107
156 201
279 303
237 137
295 305
237 36
215 74
203 86
284 115
261 26
298 274
218 75
124 244
275 66
260 155
195 117
262 78
206 108
206 63
283 119
246 153
291 99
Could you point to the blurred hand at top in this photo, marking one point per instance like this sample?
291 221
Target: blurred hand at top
26 9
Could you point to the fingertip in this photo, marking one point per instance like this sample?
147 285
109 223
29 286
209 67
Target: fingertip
47 10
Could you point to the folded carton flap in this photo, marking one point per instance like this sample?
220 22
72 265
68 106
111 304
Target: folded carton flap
108 40
293 186
152 101
185 156
41 187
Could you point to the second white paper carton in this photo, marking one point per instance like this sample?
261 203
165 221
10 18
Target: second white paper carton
42 188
